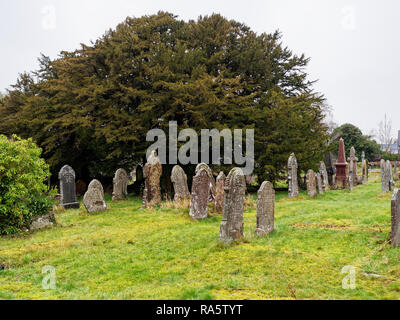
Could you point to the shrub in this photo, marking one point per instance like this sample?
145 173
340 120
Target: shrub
23 193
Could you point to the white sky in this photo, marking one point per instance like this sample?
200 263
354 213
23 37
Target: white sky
353 45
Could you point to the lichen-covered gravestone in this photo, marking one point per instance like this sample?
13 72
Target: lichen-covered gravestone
318 176
389 175
292 176
384 178
232 220
351 175
311 184
220 192
93 199
212 180
67 188
364 166
324 174
179 179
200 195
120 182
395 214
354 166
152 173
265 209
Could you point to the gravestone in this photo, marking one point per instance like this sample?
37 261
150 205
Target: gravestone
67 188
330 167
212 180
311 184
200 195
292 176
179 179
265 209
120 185
96 184
220 192
341 167
389 174
395 215
324 174
364 166
232 221
384 180
354 165
351 175
318 176
152 173
93 199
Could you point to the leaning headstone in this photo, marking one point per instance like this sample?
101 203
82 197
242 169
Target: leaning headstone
220 192
93 199
324 174
200 195
265 209
351 175
212 180
152 173
354 166
318 176
179 179
67 188
311 184
232 221
292 176
96 184
120 185
395 214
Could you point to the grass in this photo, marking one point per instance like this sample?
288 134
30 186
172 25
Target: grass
134 253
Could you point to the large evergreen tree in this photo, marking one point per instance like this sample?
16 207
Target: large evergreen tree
92 107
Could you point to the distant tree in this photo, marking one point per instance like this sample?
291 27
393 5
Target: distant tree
92 108
385 133
353 137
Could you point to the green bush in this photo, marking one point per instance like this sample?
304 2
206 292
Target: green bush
23 193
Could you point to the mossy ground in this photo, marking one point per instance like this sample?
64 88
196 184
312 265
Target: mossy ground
132 253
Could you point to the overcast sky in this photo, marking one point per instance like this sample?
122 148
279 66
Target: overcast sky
353 45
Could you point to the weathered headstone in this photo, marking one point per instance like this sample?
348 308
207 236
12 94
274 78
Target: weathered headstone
200 195
364 166
68 188
120 185
232 221
351 175
96 184
311 184
354 165
324 174
318 176
395 214
389 174
330 167
179 179
152 173
220 192
341 165
384 180
93 199
265 209
212 180
292 176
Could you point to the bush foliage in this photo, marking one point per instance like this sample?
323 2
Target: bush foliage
23 194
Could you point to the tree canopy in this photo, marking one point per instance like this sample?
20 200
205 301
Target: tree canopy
353 137
91 108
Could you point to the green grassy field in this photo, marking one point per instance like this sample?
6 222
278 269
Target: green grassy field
132 253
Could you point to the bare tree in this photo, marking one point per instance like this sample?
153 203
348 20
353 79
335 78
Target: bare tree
385 133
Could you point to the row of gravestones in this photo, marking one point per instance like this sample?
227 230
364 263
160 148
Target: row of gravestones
319 182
